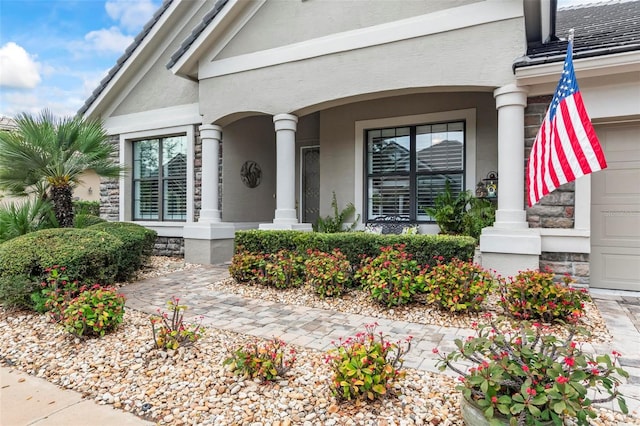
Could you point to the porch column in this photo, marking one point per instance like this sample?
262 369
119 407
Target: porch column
210 135
510 102
509 245
285 214
209 240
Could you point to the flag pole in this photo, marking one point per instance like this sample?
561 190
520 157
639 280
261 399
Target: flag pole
571 31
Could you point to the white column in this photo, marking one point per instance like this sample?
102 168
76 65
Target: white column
210 135
209 241
509 245
510 102
285 126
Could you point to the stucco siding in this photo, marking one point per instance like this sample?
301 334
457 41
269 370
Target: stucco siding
337 133
287 22
251 138
478 56
159 87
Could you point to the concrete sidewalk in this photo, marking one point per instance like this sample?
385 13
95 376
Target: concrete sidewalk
28 400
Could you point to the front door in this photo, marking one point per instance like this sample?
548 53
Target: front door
310 184
615 210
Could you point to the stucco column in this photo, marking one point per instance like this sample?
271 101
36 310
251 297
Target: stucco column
285 126
509 245
209 241
210 135
510 102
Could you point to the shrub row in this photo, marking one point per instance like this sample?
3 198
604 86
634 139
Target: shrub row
424 249
394 278
102 253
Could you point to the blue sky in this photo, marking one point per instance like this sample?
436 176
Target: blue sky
53 53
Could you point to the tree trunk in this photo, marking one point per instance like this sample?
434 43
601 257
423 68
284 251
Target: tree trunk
62 199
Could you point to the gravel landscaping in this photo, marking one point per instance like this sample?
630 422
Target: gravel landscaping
190 386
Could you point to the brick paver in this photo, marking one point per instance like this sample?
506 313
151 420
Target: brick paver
317 328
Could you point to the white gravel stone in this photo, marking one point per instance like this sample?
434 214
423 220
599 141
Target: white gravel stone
190 386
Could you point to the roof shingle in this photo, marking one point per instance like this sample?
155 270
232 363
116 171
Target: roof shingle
600 29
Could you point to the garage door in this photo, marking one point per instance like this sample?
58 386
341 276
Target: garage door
615 211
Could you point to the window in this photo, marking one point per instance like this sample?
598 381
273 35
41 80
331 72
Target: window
160 193
406 168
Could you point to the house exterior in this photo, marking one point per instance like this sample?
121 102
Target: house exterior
277 104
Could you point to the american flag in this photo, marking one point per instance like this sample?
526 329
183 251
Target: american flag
566 146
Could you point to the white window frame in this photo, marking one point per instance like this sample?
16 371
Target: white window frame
467 115
164 228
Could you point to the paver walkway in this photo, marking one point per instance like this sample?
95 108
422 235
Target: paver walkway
317 328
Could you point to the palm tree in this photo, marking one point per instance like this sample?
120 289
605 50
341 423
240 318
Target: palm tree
45 156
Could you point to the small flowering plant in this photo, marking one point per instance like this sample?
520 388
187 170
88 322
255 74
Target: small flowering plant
327 273
456 286
94 312
530 376
366 365
390 276
171 332
534 295
267 360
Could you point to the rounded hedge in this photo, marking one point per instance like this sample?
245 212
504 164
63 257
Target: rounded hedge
138 243
90 256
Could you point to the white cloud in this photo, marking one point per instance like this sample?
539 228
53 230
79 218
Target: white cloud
131 14
108 40
61 103
18 69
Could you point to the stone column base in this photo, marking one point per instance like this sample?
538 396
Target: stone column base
208 243
306 227
508 251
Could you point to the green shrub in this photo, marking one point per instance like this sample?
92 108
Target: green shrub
267 361
94 312
89 256
137 241
86 207
245 266
284 269
390 277
535 295
29 215
456 286
423 248
16 290
327 273
84 220
366 365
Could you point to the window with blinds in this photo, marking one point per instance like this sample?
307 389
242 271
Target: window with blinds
408 166
160 179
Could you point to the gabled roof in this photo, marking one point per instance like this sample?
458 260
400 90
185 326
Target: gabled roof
600 29
196 32
126 55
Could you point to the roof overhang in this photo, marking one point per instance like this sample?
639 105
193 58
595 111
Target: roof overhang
224 25
597 66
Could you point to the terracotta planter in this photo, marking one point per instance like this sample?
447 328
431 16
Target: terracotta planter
473 416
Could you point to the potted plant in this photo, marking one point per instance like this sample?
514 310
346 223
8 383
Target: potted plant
529 376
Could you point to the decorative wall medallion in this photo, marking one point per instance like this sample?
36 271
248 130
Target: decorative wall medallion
251 174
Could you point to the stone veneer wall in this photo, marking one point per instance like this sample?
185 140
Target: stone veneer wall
555 210
169 246
110 189
574 264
